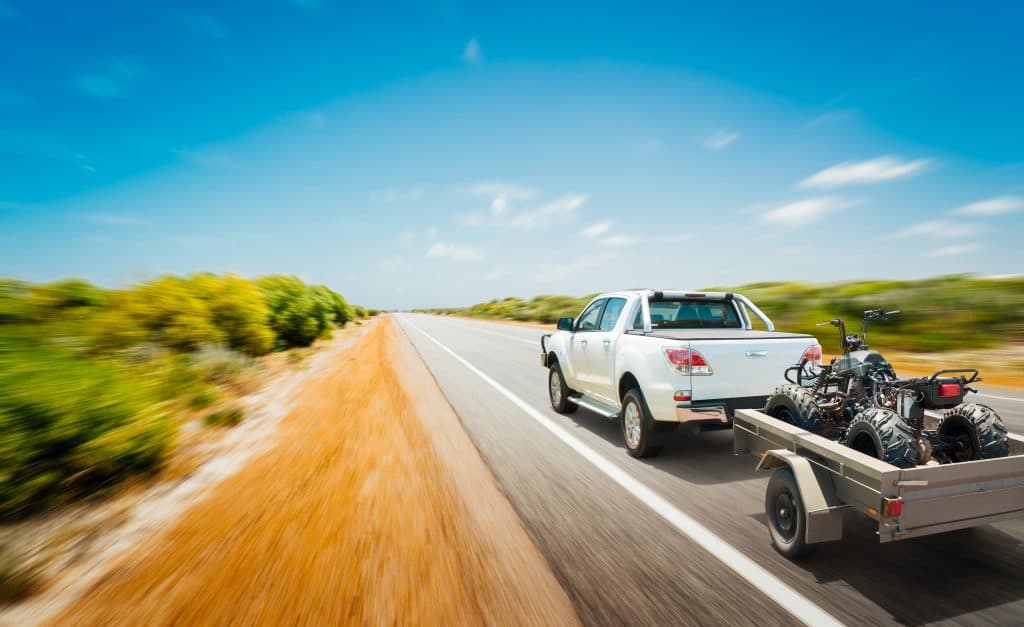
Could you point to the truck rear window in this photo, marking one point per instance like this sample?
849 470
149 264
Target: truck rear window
690 314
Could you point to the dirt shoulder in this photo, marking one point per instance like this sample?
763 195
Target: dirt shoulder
371 508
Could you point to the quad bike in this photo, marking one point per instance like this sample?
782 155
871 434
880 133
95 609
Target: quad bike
859 401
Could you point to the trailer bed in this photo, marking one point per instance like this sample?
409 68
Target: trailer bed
926 499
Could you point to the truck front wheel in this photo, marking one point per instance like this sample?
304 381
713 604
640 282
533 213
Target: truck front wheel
558 391
787 520
643 435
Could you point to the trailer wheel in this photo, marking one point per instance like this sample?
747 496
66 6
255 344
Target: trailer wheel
558 391
981 430
644 436
795 405
883 434
787 518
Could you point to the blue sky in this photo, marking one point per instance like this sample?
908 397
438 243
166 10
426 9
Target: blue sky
418 155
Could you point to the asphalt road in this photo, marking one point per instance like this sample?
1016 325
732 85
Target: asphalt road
681 538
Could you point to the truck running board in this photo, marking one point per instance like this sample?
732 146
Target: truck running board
595 406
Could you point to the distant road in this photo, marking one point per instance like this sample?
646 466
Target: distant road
681 538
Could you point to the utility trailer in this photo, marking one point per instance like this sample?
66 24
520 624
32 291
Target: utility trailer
814 479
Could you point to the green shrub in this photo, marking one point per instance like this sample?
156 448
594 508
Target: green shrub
224 417
298 314
69 426
238 309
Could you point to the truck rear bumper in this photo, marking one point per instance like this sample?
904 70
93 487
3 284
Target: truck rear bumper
719 411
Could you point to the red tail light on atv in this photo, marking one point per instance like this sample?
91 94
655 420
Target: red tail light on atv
813 354
688 362
947 390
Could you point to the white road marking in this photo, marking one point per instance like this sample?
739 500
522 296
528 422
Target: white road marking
788 598
1002 398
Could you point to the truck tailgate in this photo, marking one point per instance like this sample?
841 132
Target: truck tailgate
955 496
746 367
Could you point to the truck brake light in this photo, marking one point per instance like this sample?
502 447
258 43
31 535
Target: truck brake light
892 508
813 354
688 362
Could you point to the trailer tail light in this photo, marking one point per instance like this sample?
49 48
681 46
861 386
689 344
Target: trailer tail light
947 390
813 354
688 362
892 508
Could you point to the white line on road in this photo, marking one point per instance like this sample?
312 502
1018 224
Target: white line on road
788 598
1002 398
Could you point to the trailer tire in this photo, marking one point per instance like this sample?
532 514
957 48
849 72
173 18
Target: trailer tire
558 391
787 517
794 404
643 435
883 434
983 427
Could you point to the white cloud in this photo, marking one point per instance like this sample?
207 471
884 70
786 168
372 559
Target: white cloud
390 264
397 195
112 81
209 159
99 86
992 206
804 212
559 211
619 240
935 228
877 170
502 195
431 232
113 219
720 139
472 54
955 249
441 250
594 230
206 25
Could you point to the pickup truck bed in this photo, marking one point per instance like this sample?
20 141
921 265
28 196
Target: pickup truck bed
906 502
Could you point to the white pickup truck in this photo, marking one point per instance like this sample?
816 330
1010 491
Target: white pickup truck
655 359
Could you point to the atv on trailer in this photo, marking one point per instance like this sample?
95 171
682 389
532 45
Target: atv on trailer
859 401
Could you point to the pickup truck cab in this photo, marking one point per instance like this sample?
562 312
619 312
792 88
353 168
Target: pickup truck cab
655 359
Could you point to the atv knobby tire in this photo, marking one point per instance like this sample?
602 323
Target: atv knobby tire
883 434
795 405
985 430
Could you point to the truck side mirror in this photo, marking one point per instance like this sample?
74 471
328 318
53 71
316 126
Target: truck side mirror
565 324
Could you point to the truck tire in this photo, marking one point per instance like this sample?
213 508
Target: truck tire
644 436
787 518
883 434
795 405
985 431
558 391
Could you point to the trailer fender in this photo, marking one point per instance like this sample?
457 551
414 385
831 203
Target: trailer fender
817 492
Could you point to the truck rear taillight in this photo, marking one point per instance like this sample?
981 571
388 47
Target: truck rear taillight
813 354
687 362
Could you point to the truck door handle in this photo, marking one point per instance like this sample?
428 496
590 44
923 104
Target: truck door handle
757 353
583 342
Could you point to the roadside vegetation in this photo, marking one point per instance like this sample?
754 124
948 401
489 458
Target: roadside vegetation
939 314
94 383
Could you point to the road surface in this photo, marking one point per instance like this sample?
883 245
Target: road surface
681 538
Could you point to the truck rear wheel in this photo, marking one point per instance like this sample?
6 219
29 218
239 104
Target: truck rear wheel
883 434
787 519
558 391
644 436
979 428
795 405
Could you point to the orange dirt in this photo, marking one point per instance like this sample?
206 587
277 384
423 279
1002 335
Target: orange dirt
370 509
